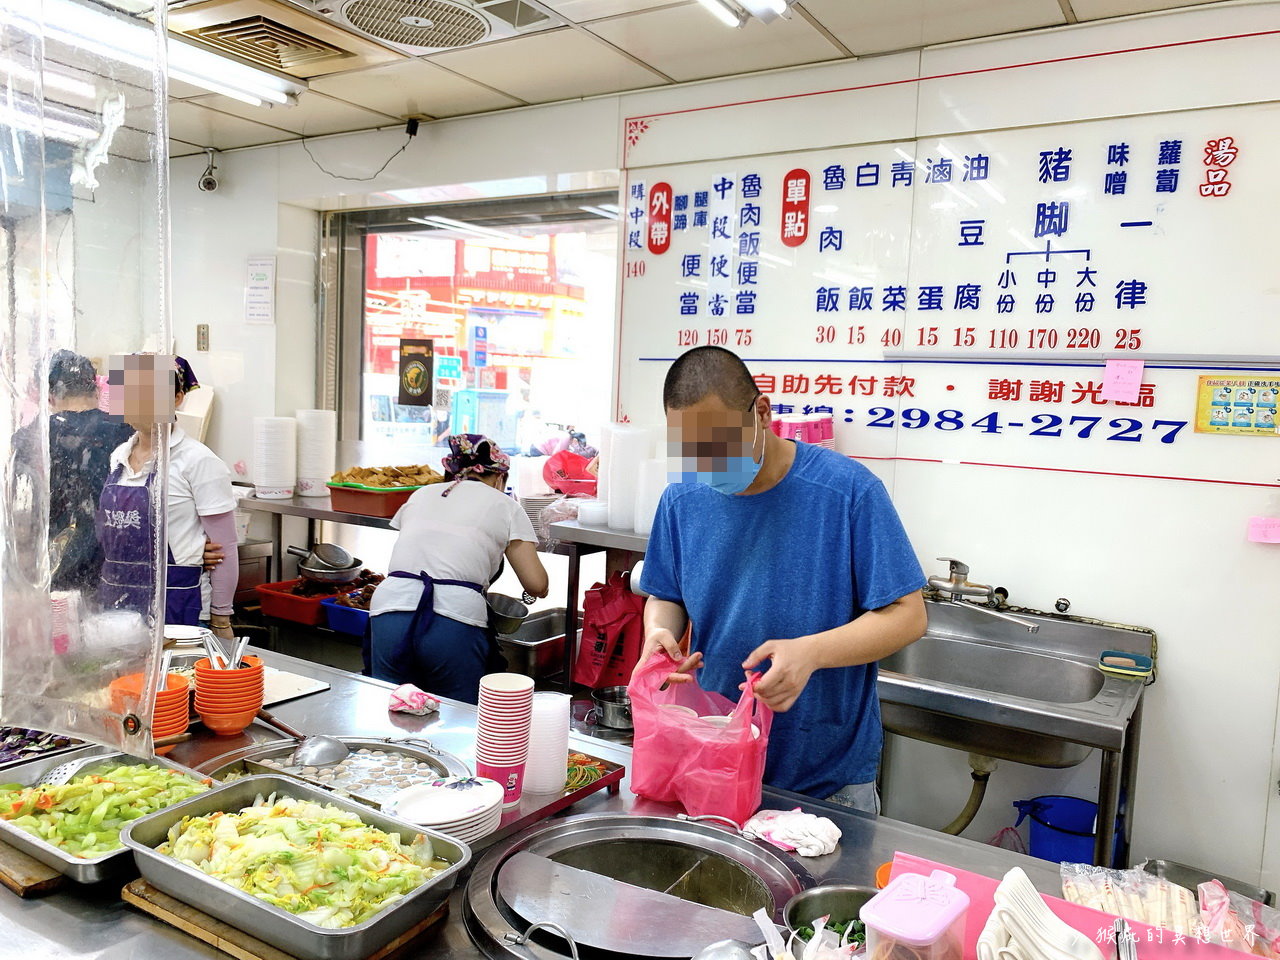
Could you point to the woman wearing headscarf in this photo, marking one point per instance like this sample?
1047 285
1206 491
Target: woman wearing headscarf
200 503
429 619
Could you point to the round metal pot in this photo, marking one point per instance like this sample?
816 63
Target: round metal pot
612 707
840 901
314 566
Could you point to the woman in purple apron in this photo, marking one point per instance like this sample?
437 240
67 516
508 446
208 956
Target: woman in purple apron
200 503
127 535
429 621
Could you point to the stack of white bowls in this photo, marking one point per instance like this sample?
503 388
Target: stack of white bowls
275 457
548 762
465 808
317 451
505 709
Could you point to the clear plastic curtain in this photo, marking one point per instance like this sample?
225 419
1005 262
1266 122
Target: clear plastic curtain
83 275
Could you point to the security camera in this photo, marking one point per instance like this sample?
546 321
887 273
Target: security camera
208 182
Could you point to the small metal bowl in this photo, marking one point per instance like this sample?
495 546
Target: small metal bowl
840 901
506 614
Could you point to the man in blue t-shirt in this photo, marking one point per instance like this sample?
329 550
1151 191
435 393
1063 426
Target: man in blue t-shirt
785 557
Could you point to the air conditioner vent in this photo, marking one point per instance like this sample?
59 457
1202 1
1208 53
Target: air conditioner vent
268 43
437 24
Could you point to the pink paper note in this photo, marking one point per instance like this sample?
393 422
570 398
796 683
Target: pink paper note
1122 380
1264 529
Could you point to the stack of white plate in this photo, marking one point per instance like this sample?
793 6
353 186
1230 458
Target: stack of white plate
533 506
465 808
275 457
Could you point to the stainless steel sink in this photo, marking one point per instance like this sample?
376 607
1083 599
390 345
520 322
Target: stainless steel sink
981 666
987 686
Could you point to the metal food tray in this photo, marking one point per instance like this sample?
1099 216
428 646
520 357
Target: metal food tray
59 752
79 869
272 924
249 762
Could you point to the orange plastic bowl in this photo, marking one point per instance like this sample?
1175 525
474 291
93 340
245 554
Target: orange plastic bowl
227 725
228 689
204 666
132 684
228 706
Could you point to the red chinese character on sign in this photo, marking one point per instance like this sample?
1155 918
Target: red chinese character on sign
795 208
1215 184
1090 392
1045 391
659 218
899 386
795 383
828 384
864 386
1004 389
1221 152
766 382
1146 397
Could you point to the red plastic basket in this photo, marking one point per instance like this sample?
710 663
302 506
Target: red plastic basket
369 503
278 602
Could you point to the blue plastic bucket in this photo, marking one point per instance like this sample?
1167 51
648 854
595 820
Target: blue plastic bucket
1063 828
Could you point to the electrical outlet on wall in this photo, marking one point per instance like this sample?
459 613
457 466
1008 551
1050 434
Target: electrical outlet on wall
202 337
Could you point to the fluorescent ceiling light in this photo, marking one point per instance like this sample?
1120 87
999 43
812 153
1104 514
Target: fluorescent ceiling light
765 10
600 212
725 12
134 42
611 207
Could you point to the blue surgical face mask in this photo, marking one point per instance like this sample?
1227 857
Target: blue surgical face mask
738 472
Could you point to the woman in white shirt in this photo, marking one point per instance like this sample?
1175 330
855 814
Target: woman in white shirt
429 622
200 502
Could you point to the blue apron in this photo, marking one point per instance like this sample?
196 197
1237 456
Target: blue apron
128 579
426 610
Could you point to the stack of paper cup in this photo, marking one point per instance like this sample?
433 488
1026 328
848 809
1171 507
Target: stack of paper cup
628 448
275 457
317 451
547 766
502 731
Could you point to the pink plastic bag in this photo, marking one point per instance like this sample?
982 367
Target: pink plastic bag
679 757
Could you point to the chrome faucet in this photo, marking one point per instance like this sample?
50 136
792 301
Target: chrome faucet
958 586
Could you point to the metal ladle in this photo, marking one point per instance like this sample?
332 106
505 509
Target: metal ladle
318 751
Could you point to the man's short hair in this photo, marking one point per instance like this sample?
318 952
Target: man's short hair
704 371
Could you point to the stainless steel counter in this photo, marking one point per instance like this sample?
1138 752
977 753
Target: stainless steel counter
571 531
83 922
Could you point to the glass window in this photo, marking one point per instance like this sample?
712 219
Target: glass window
516 300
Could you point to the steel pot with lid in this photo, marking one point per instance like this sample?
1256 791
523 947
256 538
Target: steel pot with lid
612 708
328 563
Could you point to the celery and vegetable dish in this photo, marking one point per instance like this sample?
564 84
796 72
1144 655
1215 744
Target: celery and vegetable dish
84 817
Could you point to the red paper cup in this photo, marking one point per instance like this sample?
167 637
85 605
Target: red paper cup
510 776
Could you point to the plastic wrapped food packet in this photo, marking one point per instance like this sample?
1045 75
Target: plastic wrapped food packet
1261 921
1132 894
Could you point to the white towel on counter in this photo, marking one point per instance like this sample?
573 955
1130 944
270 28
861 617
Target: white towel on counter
793 830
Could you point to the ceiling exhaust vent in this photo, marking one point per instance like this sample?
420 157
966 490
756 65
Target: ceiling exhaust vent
430 26
268 43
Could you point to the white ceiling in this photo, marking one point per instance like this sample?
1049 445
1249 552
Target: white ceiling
611 46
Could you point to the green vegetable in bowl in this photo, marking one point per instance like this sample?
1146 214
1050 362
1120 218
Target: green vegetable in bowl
858 937
84 817
319 862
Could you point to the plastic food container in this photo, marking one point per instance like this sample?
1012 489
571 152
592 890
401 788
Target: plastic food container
345 619
277 601
383 502
917 918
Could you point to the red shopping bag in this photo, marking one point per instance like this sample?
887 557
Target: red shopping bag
679 757
612 634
